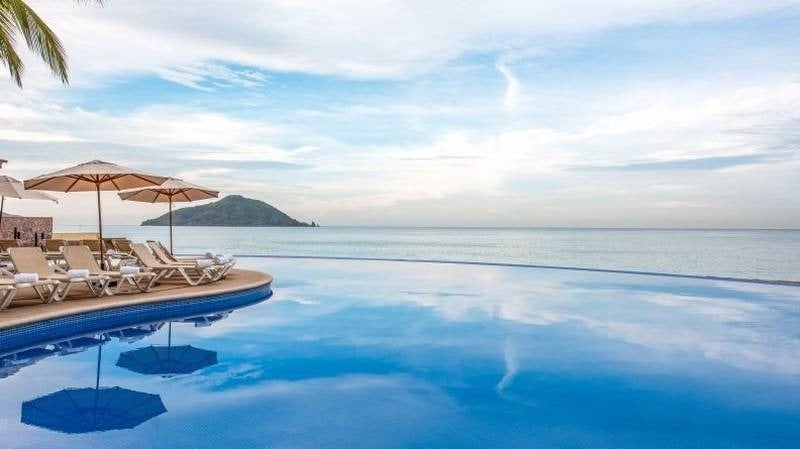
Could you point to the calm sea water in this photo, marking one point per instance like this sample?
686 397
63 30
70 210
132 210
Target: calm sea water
761 254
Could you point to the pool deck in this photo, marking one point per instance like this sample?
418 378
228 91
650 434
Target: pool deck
27 308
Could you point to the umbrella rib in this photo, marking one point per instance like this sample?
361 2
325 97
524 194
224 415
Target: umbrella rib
73 184
35 183
144 179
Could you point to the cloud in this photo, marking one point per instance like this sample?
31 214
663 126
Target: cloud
380 39
525 172
512 94
698 163
210 76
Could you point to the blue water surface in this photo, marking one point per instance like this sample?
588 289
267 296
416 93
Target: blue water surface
366 354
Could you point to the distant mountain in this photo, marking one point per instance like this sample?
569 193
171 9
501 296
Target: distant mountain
233 210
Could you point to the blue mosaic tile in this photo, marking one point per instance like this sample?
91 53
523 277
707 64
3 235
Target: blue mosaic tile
97 321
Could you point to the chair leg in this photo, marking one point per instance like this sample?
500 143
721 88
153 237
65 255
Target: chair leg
188 278
64 291
152 282
148 285
45 293
8 296
103 287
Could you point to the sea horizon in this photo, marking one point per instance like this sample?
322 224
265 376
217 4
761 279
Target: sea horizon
613 228
763 254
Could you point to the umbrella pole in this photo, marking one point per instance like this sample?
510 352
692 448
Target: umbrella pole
2 204
97 378
100 226
170 225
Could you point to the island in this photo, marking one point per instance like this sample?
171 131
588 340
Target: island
233 210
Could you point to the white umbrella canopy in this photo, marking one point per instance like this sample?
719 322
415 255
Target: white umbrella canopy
173 190
94 176
13 188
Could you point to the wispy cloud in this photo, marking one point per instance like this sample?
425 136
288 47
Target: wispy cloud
511 97
697 163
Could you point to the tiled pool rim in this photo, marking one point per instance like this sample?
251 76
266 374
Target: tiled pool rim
41 332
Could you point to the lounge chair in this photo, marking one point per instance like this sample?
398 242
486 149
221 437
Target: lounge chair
52 245
164 270
222 267
94 245
118 253
81 258
32 260
122 246
9 286
9 243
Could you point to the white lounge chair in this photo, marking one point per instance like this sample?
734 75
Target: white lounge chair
163 270
32 260
9 286
81 257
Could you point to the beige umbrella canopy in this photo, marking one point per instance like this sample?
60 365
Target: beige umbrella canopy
173 190
12 188
94 176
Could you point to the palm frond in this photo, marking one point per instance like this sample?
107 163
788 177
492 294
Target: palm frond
8 55
39 37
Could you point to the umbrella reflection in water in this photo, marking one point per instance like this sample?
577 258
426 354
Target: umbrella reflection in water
167 360
83 410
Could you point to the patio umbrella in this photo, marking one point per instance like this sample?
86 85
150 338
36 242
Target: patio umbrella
94 176
83 410
167 360
173 190
12 188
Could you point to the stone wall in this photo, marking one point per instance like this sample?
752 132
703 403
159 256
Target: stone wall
30 230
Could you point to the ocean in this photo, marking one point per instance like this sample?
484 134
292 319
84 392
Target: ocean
752 254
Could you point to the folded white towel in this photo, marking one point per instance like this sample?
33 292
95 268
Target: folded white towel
26 278
204 263
222 259
128 270
78 273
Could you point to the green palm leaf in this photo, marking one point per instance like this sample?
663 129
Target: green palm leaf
16 17
8 55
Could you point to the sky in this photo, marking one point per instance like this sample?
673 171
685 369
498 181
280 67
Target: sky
664 113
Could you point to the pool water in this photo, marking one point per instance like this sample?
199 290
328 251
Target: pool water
365 354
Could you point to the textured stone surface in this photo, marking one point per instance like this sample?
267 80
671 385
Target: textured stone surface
27 227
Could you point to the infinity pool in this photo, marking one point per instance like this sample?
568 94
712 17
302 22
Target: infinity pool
366 354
